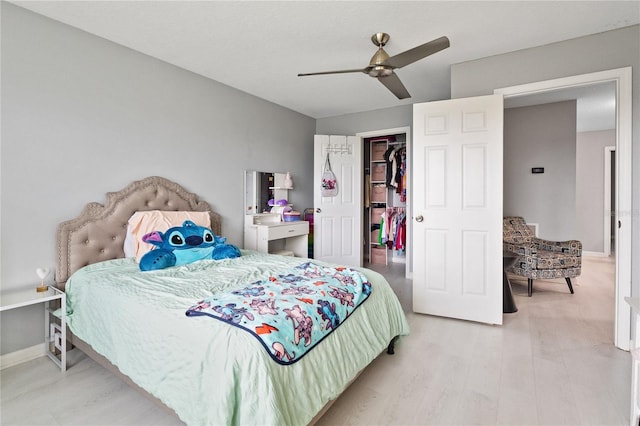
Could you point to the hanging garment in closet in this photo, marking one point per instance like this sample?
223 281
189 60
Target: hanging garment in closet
396 161
389 158
402 187
393 229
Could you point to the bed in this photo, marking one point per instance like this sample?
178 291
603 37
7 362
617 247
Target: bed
204 370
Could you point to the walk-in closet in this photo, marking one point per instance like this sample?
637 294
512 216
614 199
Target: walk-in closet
386 183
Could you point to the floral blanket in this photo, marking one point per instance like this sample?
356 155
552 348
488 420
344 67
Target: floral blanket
292 312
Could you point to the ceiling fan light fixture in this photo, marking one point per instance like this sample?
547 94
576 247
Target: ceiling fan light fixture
380 71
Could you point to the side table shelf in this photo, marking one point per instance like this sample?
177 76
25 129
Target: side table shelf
55 340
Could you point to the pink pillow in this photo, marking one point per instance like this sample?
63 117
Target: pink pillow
142 223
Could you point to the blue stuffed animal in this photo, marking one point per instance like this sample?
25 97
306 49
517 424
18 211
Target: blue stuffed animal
184 244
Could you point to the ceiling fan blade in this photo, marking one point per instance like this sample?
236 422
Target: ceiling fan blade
412 55
331 72
393 83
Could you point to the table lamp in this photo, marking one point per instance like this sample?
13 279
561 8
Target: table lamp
42 274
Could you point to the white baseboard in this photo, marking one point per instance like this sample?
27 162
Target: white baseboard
594 253
23 355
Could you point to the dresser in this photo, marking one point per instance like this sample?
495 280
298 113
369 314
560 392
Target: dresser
267 233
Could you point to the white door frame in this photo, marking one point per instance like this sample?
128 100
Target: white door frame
622 78
608 208
407 131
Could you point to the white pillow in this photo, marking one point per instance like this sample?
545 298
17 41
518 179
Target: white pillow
141 223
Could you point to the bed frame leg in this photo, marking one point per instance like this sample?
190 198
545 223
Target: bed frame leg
392 345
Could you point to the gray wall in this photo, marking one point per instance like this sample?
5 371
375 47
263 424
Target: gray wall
542 136
351 124
590 152
82 116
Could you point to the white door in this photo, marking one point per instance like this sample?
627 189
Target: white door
337 229
457 208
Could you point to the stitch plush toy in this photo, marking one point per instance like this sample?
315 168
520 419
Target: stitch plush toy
184 244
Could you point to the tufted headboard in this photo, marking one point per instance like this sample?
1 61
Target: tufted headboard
98 233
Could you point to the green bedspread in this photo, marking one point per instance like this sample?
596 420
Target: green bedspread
208 372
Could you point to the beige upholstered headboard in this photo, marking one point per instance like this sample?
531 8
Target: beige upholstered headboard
98 233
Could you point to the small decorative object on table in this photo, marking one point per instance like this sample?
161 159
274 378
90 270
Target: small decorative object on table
42 273
291 216
280 203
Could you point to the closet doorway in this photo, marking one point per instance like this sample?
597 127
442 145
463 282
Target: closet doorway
387 200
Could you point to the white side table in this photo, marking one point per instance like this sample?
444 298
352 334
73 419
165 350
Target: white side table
55 334
267 234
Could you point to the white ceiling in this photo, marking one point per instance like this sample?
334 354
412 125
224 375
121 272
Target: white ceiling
260 46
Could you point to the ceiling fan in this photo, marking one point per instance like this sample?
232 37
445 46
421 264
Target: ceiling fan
382 65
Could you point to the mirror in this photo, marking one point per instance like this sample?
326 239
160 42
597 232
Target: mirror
260 187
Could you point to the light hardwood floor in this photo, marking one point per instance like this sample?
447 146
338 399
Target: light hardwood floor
551 363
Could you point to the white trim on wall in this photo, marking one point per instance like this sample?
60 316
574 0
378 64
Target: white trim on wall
606 241
23 355
624 208
586 253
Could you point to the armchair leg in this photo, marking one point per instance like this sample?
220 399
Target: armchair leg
569 284
530 285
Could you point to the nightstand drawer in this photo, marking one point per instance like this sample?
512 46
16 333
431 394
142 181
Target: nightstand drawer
289 230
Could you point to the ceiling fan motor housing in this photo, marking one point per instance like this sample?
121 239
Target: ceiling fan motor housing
375 68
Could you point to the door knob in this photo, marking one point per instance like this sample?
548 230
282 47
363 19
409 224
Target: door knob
419 218
318 210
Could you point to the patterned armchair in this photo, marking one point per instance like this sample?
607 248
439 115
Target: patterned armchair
538 258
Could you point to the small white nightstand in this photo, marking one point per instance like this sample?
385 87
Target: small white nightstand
267 234
55 340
